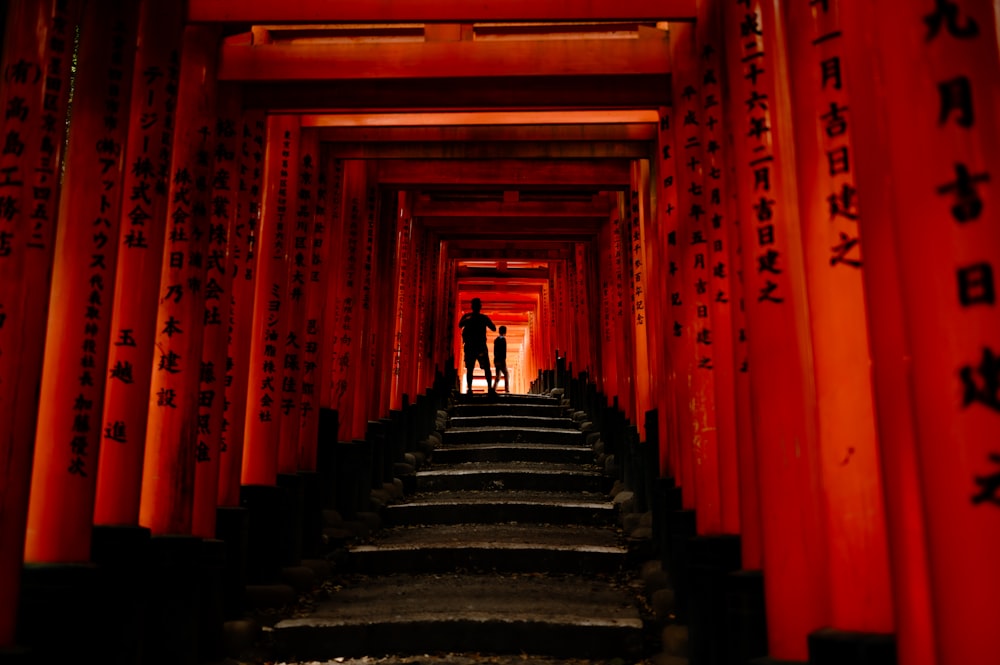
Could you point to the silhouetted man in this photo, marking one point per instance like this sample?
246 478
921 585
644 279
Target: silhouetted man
474 325
500 359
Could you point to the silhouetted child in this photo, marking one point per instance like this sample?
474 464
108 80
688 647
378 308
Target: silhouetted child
500 359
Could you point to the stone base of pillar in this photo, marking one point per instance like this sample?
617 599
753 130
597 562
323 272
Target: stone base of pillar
173 607
293 508
710 560
231 528
833 647
16 656
58 619
212 600
312 514
681 527
746 616
122 554
265 549
773 661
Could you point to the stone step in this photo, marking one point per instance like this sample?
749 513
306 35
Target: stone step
513 452
500 507
549 410
539 548
511 420
513 476
562 616
466 435
505 399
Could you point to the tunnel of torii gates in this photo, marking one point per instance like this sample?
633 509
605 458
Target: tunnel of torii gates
771 222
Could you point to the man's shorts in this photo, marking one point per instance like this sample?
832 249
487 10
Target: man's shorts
482 356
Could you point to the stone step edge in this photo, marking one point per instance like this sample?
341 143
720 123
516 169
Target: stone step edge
471 617
488 545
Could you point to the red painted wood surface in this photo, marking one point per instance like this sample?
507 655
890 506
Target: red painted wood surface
243 251
932 299
373 11
719 231
696 392
301 207
855 512
638 239
172 439
38 40
405 313
271 304
68 438
780 353
332 310
313 350
140 256
222 222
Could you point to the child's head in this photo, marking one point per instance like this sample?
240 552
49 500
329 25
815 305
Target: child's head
503 330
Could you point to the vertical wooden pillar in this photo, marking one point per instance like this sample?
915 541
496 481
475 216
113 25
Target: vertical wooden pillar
332 313
780 353
243 252
63 482
852 488
143 220
639 214
403 305
927 160
720 232
300 196
37 50
172 436
696 393
609 336
317 280
222 215
667 214
383 294
263 416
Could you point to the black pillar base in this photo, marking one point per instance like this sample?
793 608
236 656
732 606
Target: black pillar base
836 647
292 508
767 660
312 514
746 616
122 554
231 528
212 603
681 527
265 549
57 617
710 560
15 656
172 616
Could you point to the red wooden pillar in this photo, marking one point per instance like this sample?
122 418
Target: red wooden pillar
666 214
780 353
63 482
404 314
167 498
243 253
313 346
143 220
301 196
927 158
263 416
609 336
222 215
696 394
852 488
639 216
424 371
720 233
383 295
333 310
36 60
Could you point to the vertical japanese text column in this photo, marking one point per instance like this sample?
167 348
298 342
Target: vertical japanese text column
260 447
140 255
780 351
936 164
168 473
63 482
38 48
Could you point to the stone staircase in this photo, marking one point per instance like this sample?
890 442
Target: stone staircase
508 546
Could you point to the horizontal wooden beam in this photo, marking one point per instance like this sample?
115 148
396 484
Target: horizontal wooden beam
609 118
430 11
507 174
622 91
543 209
637 132
423 60
493 150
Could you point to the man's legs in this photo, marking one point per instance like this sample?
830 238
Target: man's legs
470 367
484 362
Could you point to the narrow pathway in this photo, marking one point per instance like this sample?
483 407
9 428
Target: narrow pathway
508 547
